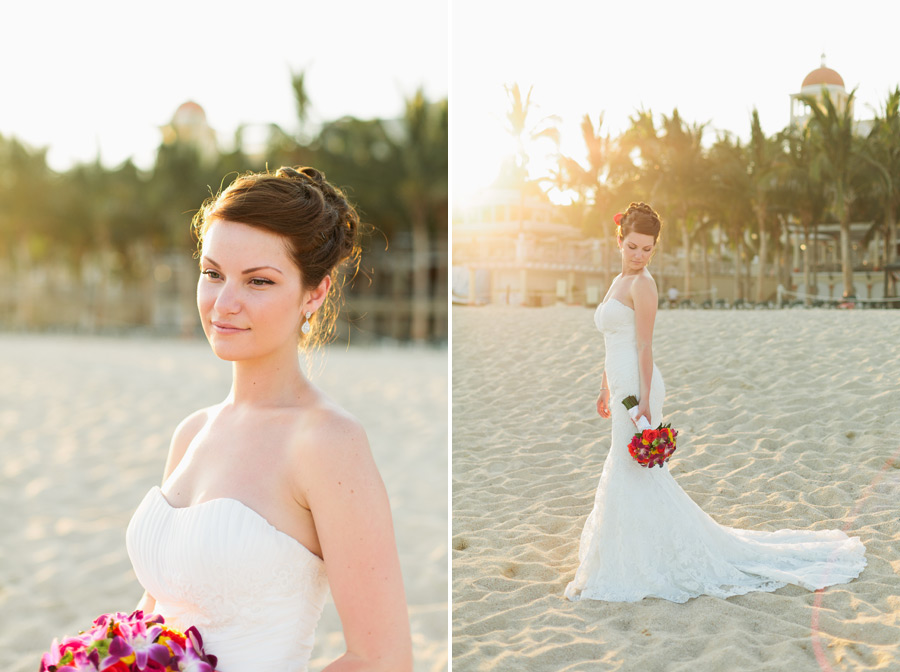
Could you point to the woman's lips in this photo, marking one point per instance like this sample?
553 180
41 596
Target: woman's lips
225 328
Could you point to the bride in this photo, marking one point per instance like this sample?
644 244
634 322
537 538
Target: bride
645 537
274 489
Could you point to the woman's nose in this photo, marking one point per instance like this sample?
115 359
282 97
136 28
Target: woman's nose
227 300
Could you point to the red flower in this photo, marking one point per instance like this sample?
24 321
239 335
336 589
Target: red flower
653 446
118 667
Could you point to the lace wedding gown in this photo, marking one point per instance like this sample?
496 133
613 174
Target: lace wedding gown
254 592
645 537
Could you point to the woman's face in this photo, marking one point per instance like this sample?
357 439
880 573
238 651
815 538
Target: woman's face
250 294
637 248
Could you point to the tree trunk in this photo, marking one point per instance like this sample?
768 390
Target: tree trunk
815 259
186 274
737 265
718 243
143 267
787 262
763 240
846 265
890 248
706 273
891 241
686 242
421 264
806 250
745 281
25 294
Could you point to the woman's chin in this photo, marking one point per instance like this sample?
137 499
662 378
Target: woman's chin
229 352
226 355
234 352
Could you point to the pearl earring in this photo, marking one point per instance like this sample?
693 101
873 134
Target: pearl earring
305 328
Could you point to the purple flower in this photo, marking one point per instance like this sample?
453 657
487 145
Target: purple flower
138 640
188 659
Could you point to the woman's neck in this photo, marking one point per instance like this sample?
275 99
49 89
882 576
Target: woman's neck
626 273
273 380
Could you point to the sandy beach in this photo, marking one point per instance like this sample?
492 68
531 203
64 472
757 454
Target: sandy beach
787 419
85 425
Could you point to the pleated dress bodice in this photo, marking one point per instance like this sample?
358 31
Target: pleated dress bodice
254 592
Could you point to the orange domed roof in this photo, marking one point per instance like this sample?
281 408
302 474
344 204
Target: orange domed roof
189 113
822 76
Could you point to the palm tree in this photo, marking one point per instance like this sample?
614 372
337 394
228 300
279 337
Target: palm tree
594 203
764 156
521 129
840 152
800 176
671 172
686 169
180 181
26 217
731 198
301 98
421 155
397 170
882 152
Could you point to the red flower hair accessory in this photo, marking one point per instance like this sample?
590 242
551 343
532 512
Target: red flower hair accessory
617 218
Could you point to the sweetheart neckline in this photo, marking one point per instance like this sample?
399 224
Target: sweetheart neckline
243 506
612 298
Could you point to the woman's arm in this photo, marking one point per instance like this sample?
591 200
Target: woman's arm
603 398
147 603
352 515
645 298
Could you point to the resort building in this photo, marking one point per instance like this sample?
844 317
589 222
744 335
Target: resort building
513 248
189 125
867 247
815 84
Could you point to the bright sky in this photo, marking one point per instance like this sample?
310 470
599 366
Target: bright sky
78 76
712 60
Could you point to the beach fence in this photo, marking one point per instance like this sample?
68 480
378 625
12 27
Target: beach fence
397 295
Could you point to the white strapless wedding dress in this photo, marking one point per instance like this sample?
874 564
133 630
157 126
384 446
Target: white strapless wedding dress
254 592
645 537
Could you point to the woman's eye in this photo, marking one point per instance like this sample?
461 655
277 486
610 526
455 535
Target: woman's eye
211 274
260 282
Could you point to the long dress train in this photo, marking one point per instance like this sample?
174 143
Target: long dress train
645 537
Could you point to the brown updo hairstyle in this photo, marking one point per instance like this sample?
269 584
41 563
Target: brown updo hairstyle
319 225
639 218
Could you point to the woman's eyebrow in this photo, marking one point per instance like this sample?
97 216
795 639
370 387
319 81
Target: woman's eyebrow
246 272
259 268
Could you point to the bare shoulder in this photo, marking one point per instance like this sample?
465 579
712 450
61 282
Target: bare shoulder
188 428
644 286
328 438
184 433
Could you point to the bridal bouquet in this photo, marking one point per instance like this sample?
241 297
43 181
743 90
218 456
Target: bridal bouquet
649 446
121 643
